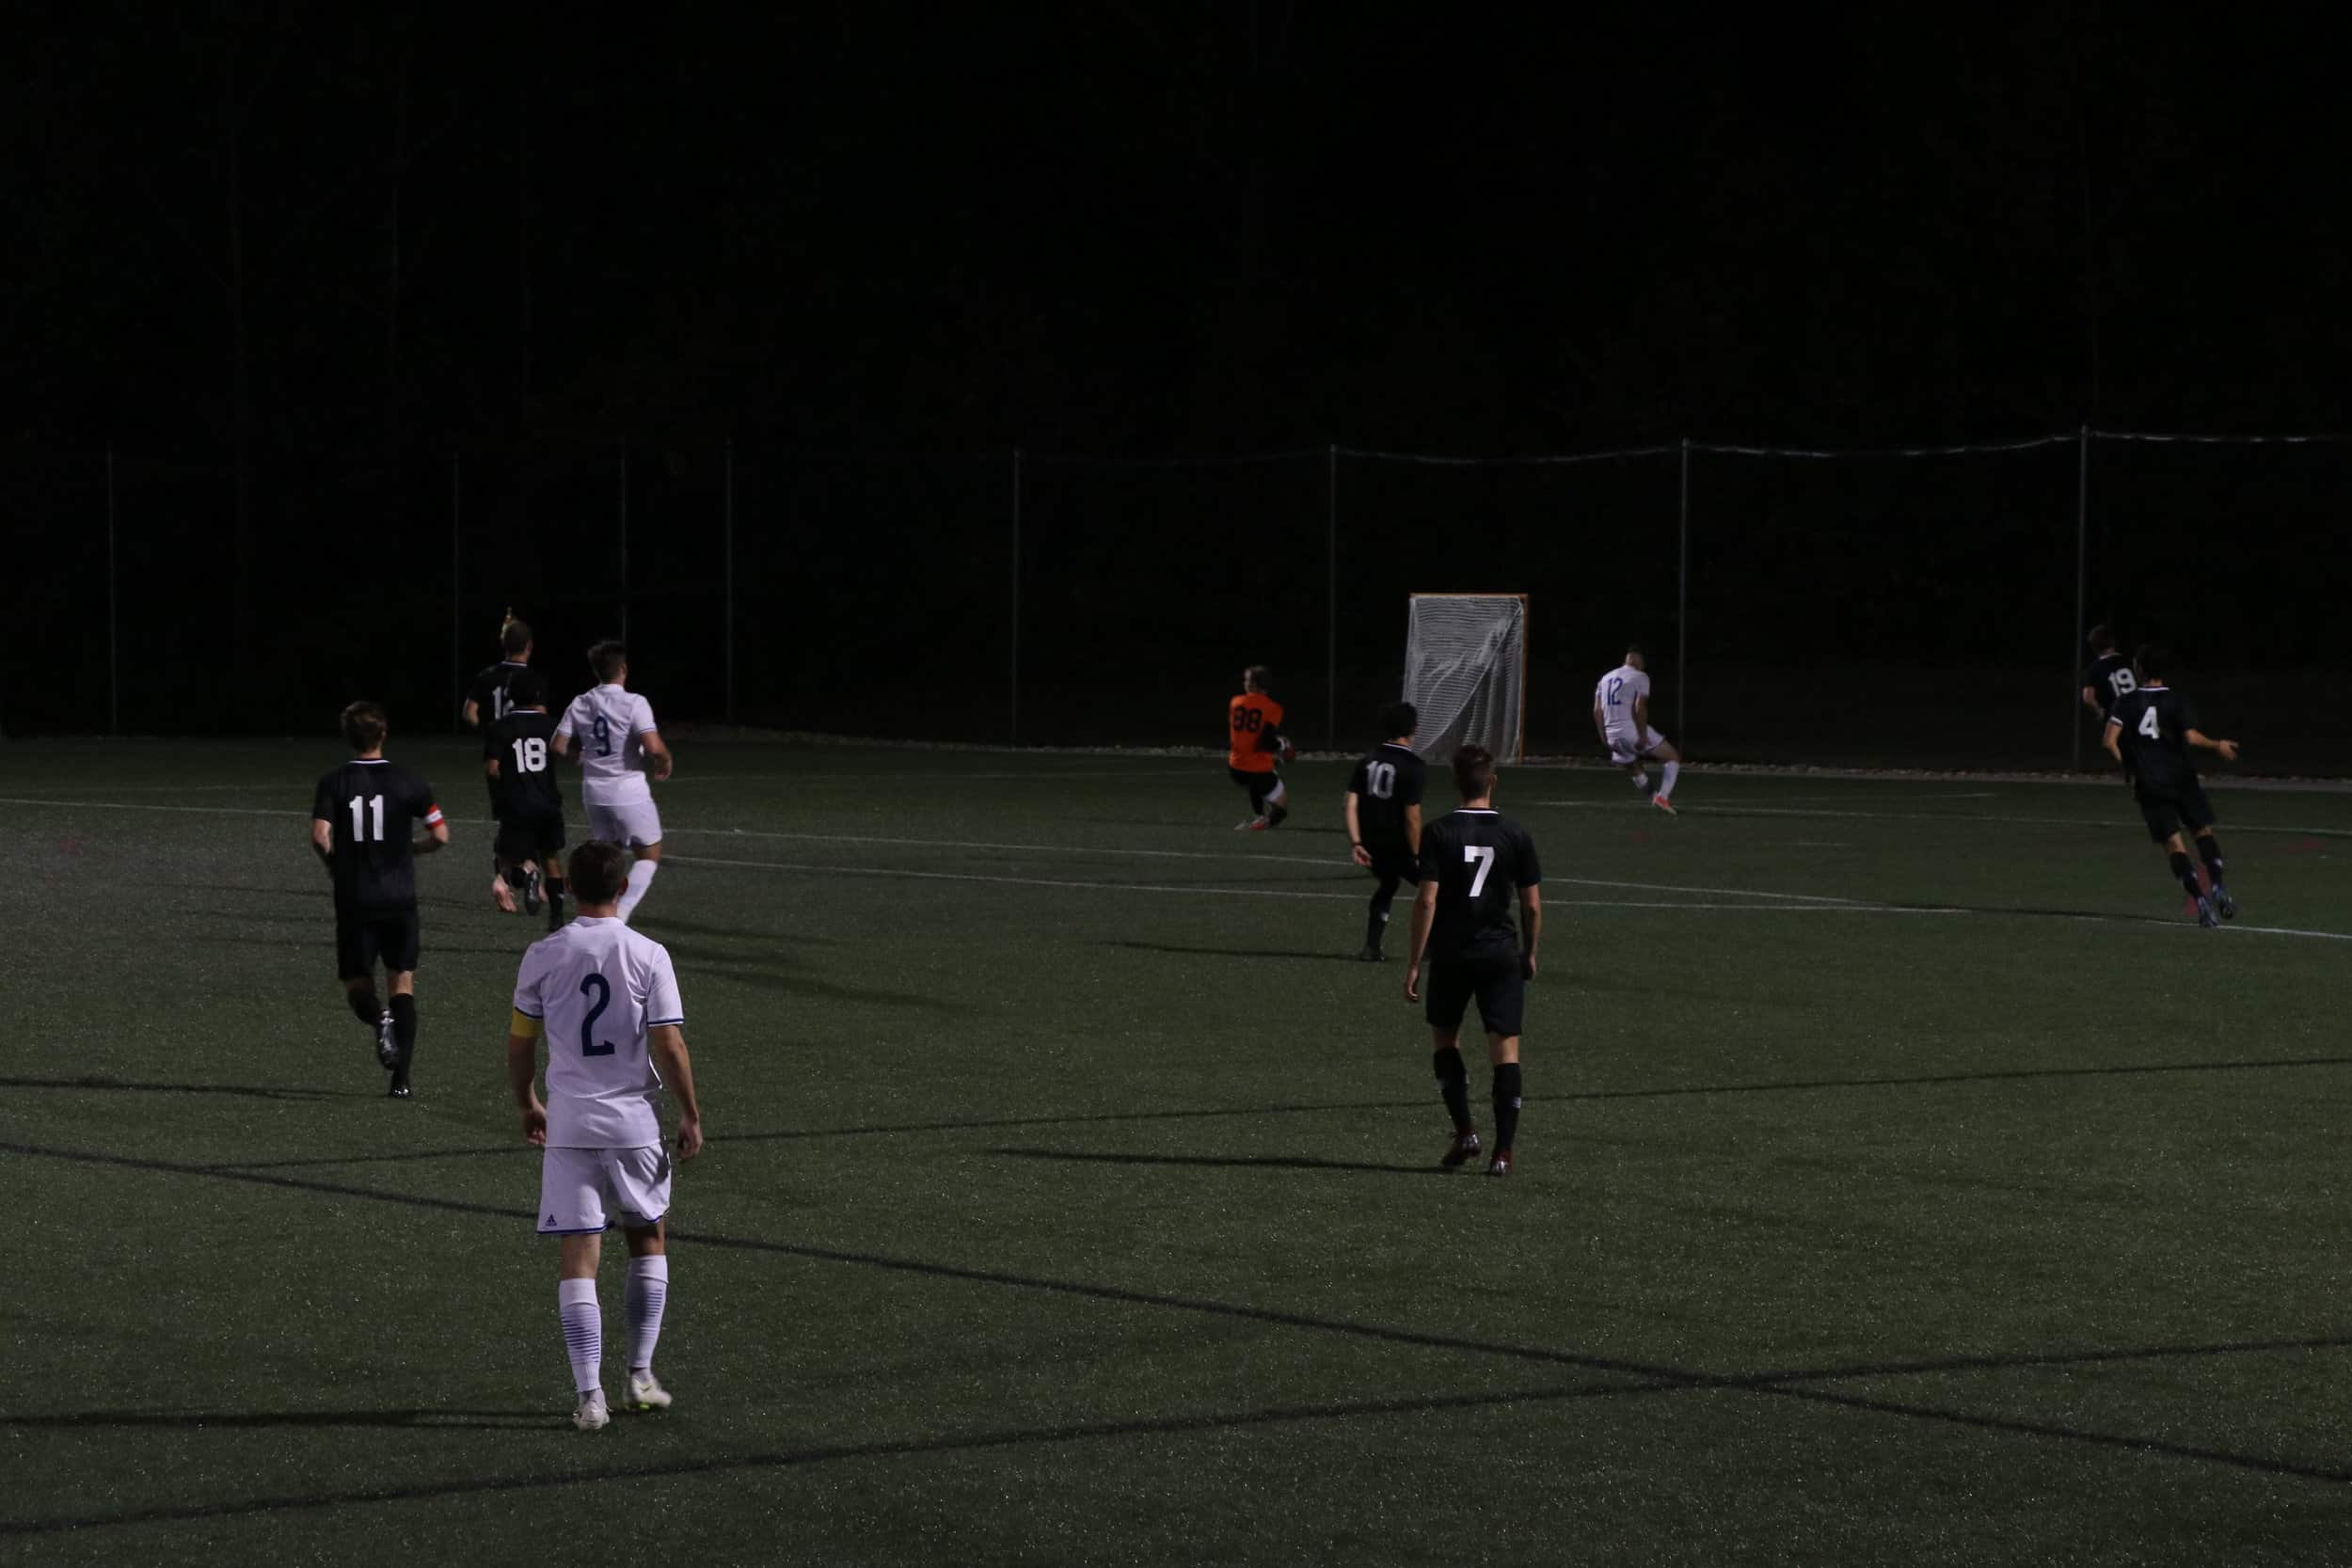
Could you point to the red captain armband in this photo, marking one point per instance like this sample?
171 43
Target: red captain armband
525 1028
431 816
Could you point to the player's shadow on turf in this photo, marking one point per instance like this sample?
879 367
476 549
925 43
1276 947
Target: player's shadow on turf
1228 952
1228 1161
423 1418
249 1091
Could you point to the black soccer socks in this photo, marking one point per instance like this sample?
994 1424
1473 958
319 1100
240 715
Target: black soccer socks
364 1007
404 1029
2187 876
1506 1101
2210 847
1453 1082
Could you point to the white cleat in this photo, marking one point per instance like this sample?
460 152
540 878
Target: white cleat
645 1392
591 1416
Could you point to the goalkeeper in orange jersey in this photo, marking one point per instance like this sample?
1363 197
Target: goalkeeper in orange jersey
1256 751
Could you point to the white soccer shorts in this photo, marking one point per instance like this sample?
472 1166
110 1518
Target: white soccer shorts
631 824
1623 752
582 1190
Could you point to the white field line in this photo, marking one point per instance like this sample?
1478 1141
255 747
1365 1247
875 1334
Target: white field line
1944 816
810 869
1813 902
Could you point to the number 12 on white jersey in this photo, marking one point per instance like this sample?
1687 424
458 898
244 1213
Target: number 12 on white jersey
1482 856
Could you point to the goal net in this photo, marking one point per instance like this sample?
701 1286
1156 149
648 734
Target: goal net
1466 672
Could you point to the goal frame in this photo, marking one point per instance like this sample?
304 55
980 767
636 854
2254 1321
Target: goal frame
1519 742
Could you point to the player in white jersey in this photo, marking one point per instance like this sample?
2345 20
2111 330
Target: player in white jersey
607 1001
611 728
1621 718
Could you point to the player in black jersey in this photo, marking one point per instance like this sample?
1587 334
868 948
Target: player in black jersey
2109 679
2152 731
1384 816
490 696
526 799
1474 865
359 817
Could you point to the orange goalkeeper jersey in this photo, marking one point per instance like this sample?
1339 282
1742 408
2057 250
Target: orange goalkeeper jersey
1250 716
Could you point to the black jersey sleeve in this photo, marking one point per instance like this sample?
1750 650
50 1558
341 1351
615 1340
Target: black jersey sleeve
1411 779
420 802
493 739
323 798
2183 714
1525 869
1357 783
1432 861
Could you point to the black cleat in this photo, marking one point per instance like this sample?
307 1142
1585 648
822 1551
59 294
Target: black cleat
2223 905
1500 1163
1372 955
1276 815
1460 1153
387 1048
400 1089
531 892
555 918
2205 916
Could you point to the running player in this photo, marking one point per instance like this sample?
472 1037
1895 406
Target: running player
488 699
2109 678
2150 731
1257 750
1621 719
526 801
1384 817
612 729
359 817
607 999
1472 862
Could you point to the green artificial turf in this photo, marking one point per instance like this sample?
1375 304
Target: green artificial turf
1902 1179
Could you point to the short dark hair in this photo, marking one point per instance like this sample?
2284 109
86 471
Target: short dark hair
1473 771
1633 649
515 636
364 726
528 689
1398 718
606 657
2154 661
598 872
1258 676
2102 640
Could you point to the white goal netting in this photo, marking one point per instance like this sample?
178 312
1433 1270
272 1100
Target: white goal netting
1466 671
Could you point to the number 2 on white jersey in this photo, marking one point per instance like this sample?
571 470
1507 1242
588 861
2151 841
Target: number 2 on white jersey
2147 723
1483 856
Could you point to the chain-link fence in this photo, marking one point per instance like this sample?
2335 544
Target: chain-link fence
1918 607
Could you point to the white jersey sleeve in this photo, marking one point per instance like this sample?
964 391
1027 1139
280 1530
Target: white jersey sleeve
640 719
569 724
662 1003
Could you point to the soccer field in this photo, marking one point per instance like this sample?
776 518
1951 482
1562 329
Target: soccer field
1902 1179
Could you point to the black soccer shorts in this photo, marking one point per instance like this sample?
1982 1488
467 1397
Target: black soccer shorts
1259 784
2167 811
1393 861
532 838
1499 983
364 936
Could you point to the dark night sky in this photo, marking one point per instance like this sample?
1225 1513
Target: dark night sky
1165 227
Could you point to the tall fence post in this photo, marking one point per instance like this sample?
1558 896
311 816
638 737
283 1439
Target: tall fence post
1331 594
624 541
114 672
457 585
1012 674
727 573
2082 557
1682 597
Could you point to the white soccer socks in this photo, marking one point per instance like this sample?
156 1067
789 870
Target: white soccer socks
1666 781
583 1331
648 1292
640 881
1277 795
